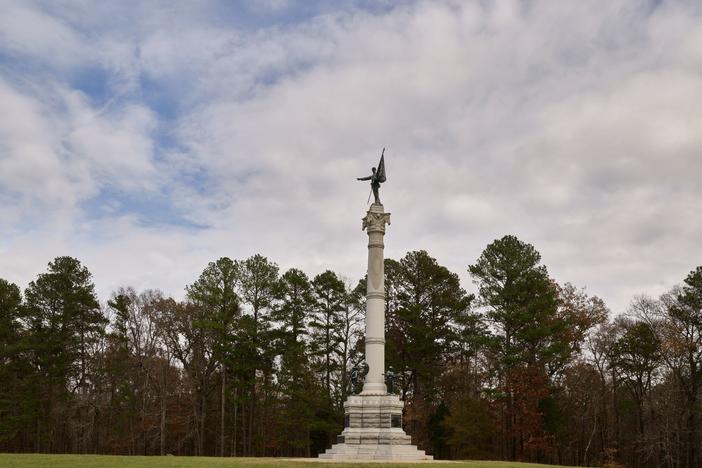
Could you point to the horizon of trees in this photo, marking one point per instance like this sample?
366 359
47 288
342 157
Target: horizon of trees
257 362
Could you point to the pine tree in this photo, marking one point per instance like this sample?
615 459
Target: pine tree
14 406
349 335
425 303
329 302
677 321
636 356
215 295
257 288
64 321
521 303
300 391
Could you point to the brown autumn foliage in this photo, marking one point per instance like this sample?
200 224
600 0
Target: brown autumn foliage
558 379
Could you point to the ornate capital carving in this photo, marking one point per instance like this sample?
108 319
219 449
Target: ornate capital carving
375 221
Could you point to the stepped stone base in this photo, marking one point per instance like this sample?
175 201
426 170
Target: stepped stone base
374 452
373 431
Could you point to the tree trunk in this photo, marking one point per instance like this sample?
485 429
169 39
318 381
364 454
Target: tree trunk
328 352
236 413
252 410
162 443
244 428
589 442
691 433
223 398
202 423
617 426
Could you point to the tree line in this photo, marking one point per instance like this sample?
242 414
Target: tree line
258 362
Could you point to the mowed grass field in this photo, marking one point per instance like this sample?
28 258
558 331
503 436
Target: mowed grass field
109 461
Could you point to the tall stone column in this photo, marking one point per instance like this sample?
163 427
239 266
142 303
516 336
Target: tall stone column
374 223
373 419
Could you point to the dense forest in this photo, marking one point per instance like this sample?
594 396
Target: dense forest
257 362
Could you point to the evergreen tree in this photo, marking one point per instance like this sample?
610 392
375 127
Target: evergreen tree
257 288
10 315
349 335
64 321
329 303
677 321
521 304
683 325
214 293
636 355
13 403
120 366
120 304
300 391
425 304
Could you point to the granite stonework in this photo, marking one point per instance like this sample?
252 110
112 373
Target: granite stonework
374 431
373 419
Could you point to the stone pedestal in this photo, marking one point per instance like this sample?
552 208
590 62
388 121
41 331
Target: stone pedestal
373 419
373 431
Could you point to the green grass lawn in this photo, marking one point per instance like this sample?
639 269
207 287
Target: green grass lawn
108 461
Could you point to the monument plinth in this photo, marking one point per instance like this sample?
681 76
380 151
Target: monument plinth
373 419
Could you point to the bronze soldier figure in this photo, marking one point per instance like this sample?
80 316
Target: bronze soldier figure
377 178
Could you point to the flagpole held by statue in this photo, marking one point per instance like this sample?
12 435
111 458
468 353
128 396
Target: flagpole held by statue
376 178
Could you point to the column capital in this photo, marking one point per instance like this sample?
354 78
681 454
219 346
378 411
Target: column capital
376 219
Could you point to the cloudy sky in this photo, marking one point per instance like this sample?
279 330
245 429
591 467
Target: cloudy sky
149 138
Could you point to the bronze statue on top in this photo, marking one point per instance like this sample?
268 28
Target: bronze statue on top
377 178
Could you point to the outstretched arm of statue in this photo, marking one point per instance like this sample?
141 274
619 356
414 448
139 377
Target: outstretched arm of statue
364 178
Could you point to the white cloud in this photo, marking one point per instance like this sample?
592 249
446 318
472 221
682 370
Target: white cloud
571 124
57 150
116 145
32 33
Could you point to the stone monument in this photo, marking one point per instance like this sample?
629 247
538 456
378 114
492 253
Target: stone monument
373 418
